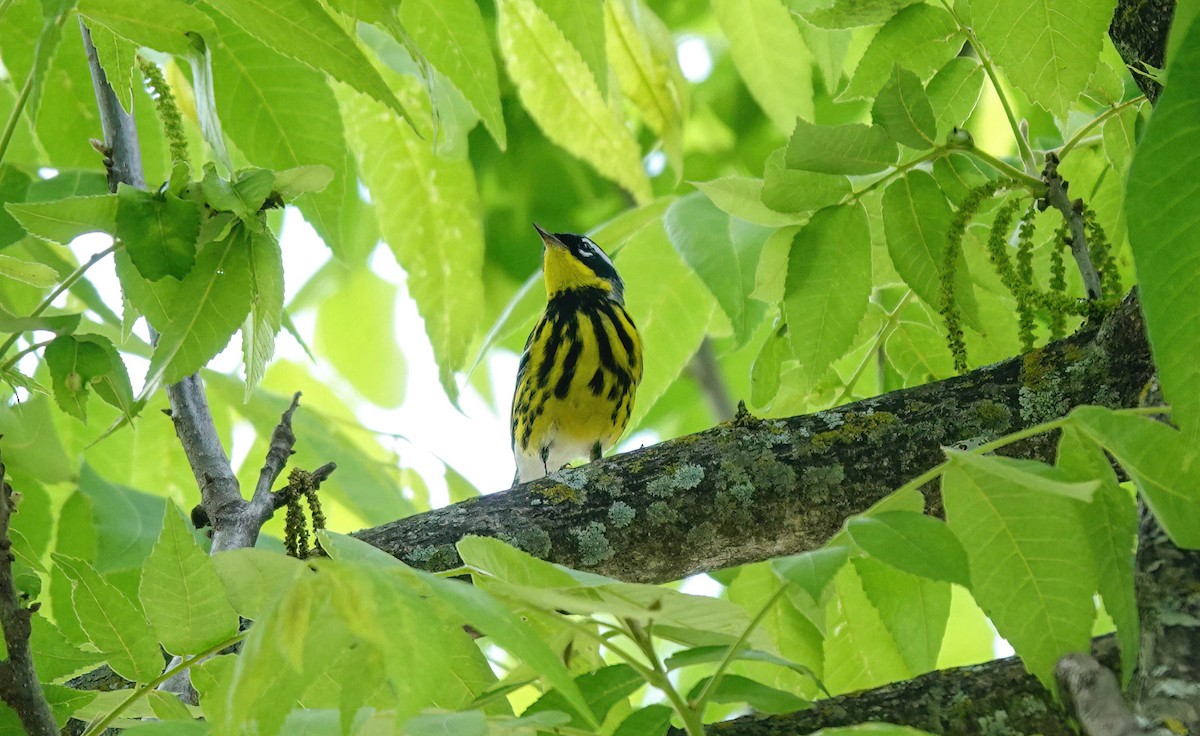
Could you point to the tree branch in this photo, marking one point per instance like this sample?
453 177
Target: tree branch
236 522
754 489
1072 212
19 686
1139 31
989 699
1091 691
1166 685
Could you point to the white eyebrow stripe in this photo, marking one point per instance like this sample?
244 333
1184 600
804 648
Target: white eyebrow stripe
599 251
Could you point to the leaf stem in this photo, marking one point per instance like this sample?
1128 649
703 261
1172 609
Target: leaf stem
693 718
885 331
67 283
902 168
1079 134
989 68
11 126
1036 185
711 686
97 727
937 470
8 364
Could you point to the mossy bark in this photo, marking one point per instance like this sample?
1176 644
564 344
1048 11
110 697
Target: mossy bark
751 489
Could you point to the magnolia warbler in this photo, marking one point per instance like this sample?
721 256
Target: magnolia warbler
582 362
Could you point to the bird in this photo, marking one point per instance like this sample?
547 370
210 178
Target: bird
581 365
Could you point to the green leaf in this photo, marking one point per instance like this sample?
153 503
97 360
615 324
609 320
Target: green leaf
559 92
771 57
859 651
723 251
160 24
913 609
253 578
159 231
14 188
266 306
642 54
853 13
1160 224
298 180
760 697
302 30
168 707
828 286
602 689
252 76
63 220
671 307
118 59
112 623
511 564
1031 474
840 149
512 634
914 543
916 219
1031 571
451 35
742 197
716 654
56 657
902 109
922 37
243 195
954 92
431 222
1110 522
768 364
125 523
812 571
466 723
80 362
582 24
211 304
653 720
183 597
341 328
1047 49
1161 462
27 272
794 190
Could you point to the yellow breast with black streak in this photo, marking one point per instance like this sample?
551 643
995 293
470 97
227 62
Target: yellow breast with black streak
581 366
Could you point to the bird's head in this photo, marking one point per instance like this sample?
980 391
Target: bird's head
575 262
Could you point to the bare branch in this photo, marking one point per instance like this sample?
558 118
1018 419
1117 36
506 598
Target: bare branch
706 372
19 686
282 442
1072 212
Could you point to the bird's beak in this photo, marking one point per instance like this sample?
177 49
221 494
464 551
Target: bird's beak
548 238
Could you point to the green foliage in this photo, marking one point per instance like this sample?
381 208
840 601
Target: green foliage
1158 222
893 208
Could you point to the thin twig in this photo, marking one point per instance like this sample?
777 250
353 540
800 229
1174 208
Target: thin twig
19 686
707 374
1072 212
11 126
280 449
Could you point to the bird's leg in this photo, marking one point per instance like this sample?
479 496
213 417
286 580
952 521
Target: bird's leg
596 451
545 455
